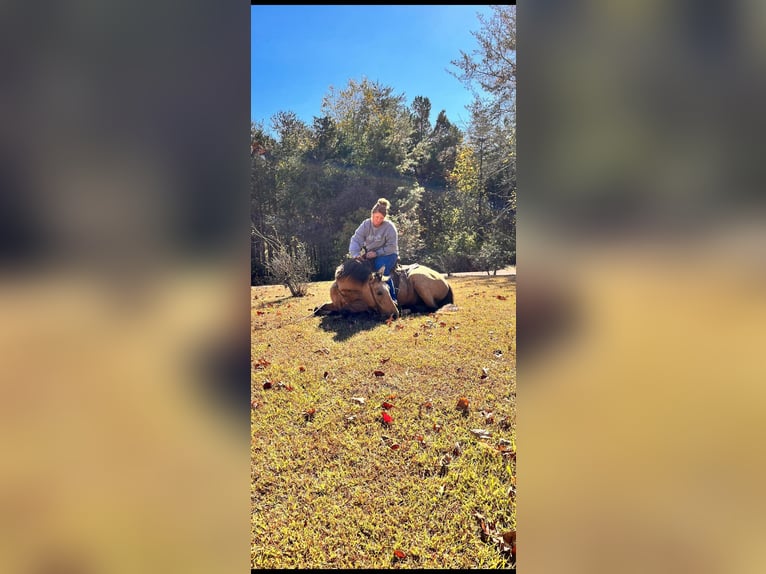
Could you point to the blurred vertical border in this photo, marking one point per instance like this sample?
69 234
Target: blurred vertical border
641 286
124 287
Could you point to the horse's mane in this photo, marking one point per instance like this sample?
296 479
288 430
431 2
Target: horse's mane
355 269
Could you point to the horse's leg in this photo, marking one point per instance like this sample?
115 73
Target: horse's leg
425 294
335 305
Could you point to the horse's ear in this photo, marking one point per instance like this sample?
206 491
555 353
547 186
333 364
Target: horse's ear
378 275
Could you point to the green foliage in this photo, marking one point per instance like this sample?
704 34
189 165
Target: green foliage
496 254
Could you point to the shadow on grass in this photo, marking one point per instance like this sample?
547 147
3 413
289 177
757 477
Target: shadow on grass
346 326
274 302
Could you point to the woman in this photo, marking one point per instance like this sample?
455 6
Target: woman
376 238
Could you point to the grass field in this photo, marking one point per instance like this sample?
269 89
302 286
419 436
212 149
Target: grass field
384 444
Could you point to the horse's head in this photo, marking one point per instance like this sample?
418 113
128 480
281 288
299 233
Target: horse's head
359 283
378 283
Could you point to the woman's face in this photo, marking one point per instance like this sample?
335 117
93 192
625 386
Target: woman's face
377 218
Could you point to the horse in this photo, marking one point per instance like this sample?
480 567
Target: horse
421 288
358 288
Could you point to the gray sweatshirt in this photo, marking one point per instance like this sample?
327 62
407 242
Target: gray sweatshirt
383 241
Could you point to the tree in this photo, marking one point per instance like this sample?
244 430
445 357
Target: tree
262 198
490 72
372 120
493 64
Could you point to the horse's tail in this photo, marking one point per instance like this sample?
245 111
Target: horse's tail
448 299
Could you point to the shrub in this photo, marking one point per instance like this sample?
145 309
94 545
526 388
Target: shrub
293 270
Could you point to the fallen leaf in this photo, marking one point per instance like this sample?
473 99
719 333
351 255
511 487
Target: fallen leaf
481 433
384 361
326 374
444 462
386 405
399 555
309 414
301 368
378 373
386 418
484 373
359 400
261 364
267 384
462 404
395 446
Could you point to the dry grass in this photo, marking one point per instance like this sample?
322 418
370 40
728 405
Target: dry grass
333 485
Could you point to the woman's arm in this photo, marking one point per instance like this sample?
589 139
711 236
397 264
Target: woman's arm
357 241
392 240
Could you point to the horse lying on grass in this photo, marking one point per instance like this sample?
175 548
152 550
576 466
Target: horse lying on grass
358 288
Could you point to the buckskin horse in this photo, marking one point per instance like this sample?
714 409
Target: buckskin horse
358 288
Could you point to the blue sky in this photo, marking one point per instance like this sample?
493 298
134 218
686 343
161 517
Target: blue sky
298 52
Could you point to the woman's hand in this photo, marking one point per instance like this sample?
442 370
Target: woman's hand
371 255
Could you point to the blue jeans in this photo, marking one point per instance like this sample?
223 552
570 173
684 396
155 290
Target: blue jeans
389 262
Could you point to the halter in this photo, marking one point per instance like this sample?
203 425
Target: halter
374 299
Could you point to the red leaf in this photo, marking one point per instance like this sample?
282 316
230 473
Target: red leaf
386 405
399 554
378 373
266 384
387 418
